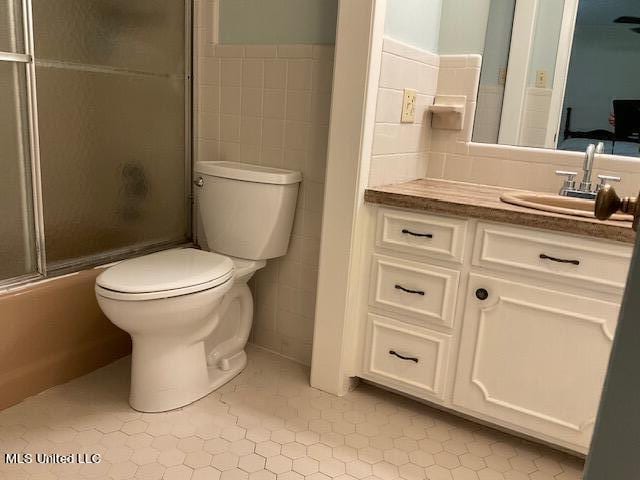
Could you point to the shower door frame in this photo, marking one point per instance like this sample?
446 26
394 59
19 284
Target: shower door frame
43 271
27 59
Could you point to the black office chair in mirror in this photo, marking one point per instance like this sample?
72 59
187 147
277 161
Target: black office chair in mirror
561 74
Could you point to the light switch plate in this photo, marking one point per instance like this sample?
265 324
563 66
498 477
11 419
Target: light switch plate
541 79
409 106
502 76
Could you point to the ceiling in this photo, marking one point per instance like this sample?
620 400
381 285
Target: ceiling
604 12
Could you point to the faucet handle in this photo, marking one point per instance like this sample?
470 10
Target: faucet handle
605 179
571 176
569 182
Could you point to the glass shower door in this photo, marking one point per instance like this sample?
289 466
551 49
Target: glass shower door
18 257
112 80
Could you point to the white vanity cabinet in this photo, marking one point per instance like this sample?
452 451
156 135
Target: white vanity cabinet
534 358
508 324
412 302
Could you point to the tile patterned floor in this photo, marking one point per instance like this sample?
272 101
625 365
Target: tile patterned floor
267 424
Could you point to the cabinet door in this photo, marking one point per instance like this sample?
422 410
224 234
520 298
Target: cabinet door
533 359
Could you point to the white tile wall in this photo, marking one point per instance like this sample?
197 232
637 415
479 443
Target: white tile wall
535 117
453 157
270 105
400 151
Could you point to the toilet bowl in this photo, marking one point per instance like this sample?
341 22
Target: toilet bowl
189 312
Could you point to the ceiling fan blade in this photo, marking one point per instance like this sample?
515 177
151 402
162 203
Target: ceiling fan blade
630 20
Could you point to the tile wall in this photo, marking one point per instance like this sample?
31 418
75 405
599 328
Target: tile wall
537 103
270 105
400 151
453 157
403 152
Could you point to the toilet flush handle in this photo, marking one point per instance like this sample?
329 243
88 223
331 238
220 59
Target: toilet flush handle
199 182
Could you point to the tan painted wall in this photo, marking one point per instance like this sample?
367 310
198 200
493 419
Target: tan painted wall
51 333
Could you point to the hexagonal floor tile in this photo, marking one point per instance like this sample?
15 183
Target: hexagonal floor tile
266 424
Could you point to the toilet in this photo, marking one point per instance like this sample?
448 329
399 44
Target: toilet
189 312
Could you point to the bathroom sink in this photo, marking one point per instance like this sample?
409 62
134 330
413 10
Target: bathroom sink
577 207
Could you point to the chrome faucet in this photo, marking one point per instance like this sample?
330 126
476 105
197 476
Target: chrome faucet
585 189
589 157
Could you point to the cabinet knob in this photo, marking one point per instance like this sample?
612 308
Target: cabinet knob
482 294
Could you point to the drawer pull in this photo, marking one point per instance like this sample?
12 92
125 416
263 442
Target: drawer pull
559 260
402 357
406 290
414 234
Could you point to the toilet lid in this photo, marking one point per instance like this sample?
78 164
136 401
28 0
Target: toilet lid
168 270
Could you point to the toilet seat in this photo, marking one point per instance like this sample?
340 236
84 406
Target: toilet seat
166 274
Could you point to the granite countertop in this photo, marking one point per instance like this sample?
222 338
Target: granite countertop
483 202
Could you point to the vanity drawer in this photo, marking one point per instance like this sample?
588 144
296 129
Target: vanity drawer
560 256
424 292
422 234
410 359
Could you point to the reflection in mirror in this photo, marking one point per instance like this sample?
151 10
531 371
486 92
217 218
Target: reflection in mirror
494 71
561 74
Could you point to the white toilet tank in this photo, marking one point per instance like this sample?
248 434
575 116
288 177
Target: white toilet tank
247 210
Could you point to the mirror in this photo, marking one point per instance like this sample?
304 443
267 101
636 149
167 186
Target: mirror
561 74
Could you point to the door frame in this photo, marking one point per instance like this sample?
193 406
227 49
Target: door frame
345 222
563 59
522 37
616 438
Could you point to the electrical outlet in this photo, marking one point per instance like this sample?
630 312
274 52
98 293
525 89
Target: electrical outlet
502 76
541 79
409 106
